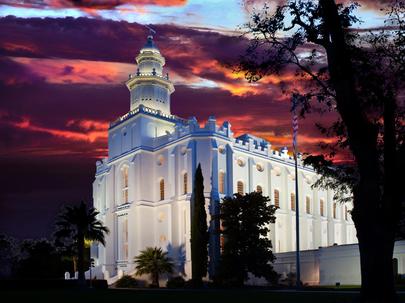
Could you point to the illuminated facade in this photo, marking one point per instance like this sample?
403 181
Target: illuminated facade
143 188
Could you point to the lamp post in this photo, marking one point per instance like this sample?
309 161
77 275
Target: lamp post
297 207
91 265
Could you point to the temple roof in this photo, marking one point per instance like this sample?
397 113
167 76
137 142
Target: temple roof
150 45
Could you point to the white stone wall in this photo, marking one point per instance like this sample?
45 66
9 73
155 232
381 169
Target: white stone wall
165 223
331 265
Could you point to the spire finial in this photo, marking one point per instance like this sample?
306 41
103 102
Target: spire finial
151 31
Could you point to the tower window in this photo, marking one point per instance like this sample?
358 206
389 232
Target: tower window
292 197
221 182
240 188
276 198
162 189
124 187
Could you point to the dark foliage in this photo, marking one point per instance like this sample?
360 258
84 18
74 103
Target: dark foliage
360 76
126 282
176 282
38 259
77 224
8 256
247 249
199 229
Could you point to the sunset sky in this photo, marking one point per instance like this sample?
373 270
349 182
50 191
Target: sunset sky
63 64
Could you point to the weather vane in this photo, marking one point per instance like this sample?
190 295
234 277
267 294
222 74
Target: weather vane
151 30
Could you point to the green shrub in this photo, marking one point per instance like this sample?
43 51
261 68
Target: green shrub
176 282
126 282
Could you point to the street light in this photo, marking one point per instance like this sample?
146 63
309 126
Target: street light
91 265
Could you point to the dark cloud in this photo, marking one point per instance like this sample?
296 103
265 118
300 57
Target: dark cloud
89 4
96 39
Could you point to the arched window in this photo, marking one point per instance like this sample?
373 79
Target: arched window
334 210
321 205
259 189
162 189
346 211
221 182
240 188
124 184
185 189
276 198
292 197
308 204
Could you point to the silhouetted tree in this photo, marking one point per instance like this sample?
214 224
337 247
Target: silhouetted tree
199 229
155 262
246 247
360 76
8 256
79 223
39 259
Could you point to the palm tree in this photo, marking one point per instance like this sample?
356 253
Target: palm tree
77 224
153 261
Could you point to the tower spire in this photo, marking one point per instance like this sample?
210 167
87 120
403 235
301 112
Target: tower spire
148 86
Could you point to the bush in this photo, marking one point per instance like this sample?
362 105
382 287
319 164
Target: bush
97 283
400 279
193 284
176 282
126 282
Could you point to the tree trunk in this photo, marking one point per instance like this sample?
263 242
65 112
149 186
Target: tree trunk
80 258
375 231
155 280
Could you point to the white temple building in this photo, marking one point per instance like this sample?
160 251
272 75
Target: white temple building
143 188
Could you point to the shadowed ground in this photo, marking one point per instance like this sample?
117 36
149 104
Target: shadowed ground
178 296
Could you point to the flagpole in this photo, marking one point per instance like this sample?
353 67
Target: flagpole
297 207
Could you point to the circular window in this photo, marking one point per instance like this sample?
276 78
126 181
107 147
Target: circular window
277 171
161 216
260 167
183 150
241 162
160 160
221 149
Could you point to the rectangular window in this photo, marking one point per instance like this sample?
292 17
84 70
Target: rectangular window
308 204
321 205
334 210
346 211
162 189
125 239
125 195
292 201
276 198
185 183
221 182
122 237
240 188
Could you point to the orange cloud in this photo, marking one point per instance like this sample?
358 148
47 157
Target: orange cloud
60 71
85 135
